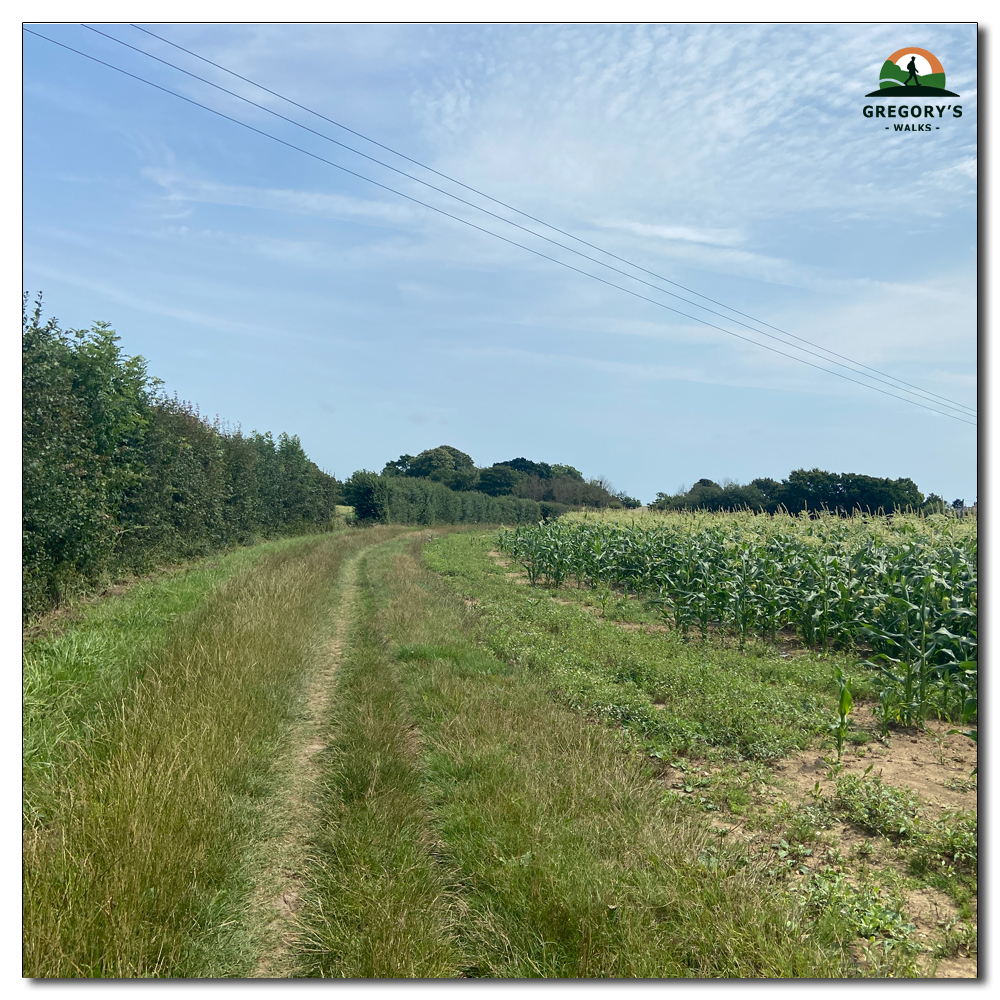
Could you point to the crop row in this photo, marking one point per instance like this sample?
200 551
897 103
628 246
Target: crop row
905 593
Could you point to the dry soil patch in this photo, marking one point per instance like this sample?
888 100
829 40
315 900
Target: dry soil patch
929 762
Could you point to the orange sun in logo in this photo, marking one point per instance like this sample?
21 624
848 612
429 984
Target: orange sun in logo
932 60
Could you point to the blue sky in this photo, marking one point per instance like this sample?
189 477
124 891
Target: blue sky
281 294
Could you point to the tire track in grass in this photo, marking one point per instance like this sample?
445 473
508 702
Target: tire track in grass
168 810
378 903
279 895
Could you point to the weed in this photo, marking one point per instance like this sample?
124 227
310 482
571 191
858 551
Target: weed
947 843
869 909
970 784
957 938
876 807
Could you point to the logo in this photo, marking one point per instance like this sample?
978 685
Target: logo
911 73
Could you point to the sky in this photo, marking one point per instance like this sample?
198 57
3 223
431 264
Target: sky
282 294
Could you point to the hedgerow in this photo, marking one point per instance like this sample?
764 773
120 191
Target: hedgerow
119 478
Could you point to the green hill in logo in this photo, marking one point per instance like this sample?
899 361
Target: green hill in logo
912 73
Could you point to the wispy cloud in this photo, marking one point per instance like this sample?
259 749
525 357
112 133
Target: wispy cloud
686 234
733 159
730 127
183 189
115 294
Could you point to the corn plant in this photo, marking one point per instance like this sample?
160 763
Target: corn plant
844 702
905 588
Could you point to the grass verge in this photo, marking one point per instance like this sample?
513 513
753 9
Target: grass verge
74 676
720 725
134 867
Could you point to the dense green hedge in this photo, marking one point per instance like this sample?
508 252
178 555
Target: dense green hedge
118 478
401 500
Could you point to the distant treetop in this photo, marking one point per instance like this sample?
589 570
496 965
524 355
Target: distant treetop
559 485
812 489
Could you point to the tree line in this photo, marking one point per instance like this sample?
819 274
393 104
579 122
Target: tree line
805 489
559 487
119 477
399 500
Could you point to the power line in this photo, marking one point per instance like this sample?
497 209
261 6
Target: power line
488 232
894 382
481 229
961 408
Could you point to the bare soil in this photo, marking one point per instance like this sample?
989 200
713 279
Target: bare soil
927 761
930 762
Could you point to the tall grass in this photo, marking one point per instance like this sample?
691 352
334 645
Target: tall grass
378 904
135 866
73 676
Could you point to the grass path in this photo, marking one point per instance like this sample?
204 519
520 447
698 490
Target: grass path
146 813
278 896
369 755
475 827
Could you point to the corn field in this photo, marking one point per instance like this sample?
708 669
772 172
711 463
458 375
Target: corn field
902 591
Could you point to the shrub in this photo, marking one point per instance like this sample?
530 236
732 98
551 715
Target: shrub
119 478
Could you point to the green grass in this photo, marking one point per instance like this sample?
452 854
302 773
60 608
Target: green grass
717 716
476 826
137 865
490 799
679 698
74 676
378 902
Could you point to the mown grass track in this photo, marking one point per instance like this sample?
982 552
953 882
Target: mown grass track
470 794
141 860
476 827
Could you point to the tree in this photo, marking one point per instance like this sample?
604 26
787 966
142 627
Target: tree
804 489
566 472
368 494
398 468
541 469
499 480
447 465
628 502
709 495
117 478
769 488
85 406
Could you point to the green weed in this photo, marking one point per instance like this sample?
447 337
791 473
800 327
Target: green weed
869 910
876 807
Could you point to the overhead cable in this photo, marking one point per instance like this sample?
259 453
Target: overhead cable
481 229
894 381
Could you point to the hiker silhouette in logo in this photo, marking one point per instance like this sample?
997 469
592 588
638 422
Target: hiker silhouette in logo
912 67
